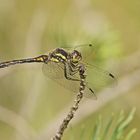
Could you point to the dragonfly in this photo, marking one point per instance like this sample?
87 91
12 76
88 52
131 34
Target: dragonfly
62 65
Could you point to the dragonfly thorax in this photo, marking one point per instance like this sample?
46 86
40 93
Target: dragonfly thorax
58 55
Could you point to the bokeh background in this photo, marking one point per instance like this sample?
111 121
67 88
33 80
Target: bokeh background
31 106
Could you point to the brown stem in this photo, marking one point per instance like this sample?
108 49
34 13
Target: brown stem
74 108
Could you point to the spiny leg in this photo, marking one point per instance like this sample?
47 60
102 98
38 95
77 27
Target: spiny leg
66 73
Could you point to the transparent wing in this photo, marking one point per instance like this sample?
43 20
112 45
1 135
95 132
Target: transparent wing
55 71
98 78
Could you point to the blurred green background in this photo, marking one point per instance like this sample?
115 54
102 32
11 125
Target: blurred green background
30 104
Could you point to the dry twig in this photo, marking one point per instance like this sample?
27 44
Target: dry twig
74 108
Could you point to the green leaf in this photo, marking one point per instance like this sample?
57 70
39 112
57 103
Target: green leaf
130 134
107 128
117 125
97 129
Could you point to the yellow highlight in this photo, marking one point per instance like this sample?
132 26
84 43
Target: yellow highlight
62 56
40 59
75 60
54 59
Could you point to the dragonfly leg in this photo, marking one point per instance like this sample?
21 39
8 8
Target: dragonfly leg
66 74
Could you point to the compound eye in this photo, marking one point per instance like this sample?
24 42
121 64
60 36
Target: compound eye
76 56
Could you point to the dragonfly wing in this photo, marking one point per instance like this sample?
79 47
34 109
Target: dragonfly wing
55 72
98 78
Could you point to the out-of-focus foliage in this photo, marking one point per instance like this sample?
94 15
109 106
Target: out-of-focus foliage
115 128
115 132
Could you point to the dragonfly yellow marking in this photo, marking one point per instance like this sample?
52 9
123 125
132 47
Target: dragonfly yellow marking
40 59
54 59
62 56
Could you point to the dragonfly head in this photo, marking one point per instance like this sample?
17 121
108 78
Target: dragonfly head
76 56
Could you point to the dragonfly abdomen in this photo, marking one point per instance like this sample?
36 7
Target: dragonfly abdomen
42 58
